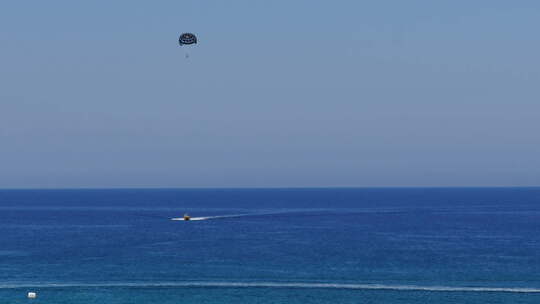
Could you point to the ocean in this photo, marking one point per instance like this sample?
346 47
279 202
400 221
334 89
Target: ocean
328 245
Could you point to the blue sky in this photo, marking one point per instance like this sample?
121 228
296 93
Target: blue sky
276 94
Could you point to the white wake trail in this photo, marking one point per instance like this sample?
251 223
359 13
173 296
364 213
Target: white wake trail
280 285
205 218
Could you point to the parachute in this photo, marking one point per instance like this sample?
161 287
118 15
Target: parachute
187 39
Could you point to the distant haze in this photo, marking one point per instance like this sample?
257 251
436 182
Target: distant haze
276 94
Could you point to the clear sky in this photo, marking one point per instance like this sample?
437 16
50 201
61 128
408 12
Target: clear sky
277 93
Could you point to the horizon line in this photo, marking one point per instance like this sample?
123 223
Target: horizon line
268 188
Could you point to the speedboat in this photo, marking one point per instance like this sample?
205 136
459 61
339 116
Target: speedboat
186 217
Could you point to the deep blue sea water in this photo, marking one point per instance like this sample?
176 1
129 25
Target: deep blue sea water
403 245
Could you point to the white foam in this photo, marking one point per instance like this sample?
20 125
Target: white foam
218 217
284 285
206 217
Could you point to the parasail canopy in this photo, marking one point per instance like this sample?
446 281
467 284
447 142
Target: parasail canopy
187 39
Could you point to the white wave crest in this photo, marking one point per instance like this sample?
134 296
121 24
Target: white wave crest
280 285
